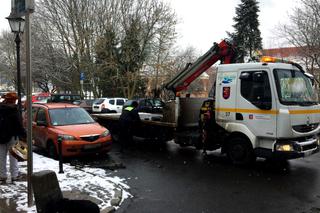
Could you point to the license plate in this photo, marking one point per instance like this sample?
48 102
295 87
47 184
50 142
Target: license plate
91 146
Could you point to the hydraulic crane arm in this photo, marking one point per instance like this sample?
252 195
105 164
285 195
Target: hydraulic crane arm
224 51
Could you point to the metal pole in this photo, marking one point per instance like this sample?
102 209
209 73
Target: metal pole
60 155
18 40
29 107
81 88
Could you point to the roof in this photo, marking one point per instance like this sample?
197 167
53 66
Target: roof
283 52
56 105
249 66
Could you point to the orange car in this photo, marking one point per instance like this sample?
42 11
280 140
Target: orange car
80 134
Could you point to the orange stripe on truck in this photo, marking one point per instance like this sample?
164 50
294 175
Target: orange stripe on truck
310 111
253 111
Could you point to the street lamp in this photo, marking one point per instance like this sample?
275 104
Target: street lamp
17 26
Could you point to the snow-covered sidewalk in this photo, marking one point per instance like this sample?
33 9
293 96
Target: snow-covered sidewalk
94 182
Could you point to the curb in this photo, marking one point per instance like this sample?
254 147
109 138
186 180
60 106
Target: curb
115 201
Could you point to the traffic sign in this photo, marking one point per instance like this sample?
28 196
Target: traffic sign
81 76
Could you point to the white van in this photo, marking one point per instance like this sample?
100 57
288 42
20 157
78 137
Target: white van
108 105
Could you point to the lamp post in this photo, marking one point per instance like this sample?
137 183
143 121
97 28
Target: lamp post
17 26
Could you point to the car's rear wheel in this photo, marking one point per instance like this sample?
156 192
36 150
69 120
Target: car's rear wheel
52 151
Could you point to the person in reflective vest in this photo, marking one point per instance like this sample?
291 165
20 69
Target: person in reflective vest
128 122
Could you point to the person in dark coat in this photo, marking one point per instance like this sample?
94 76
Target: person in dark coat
128 122
11 129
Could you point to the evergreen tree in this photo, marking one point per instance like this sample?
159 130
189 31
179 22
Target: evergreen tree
107 55
246 35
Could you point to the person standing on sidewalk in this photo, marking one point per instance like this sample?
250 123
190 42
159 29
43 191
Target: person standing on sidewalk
10 129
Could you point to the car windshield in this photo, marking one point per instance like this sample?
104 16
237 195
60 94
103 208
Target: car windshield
294 88
99 101
157 103
69 116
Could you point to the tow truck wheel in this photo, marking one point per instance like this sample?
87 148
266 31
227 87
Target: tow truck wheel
240 151
52 151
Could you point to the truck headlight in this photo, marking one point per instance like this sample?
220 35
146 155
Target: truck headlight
67 137
284 147
105 133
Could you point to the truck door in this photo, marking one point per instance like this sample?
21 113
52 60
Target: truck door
255 105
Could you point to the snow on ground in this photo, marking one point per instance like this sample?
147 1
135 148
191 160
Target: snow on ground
92 181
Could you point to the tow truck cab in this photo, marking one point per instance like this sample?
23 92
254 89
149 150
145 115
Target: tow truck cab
273 105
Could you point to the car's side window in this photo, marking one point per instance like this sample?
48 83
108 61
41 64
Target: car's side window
111 101
142 103
120 102
148 103
41 116
34 112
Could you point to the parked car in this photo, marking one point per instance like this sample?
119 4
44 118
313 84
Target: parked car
85 104
108 105
80 134
149 105
40 97
64 98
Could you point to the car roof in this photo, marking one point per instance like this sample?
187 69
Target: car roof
110 98
56 105
65 94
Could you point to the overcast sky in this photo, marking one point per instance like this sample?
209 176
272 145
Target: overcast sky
202 22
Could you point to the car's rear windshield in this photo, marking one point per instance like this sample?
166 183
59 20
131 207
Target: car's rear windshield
69 116
65 98
99 101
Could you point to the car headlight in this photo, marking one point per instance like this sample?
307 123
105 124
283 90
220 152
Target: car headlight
284 147
105 133
67 137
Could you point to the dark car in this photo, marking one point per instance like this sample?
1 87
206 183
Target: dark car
149 105
85 104
64 98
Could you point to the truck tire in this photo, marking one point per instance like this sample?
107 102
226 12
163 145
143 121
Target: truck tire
240 151
52 151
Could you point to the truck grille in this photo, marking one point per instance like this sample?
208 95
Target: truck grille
90 138
305 128
309 147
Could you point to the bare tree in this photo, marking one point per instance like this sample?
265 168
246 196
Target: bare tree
145 27
70 37
303 31
8 57
76 25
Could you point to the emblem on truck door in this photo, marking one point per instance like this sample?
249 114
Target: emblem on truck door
226 92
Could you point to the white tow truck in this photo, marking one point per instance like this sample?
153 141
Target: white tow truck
263 109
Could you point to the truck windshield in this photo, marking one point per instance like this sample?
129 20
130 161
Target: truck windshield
294 88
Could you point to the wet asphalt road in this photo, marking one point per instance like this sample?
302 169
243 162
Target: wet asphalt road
173 179
168 178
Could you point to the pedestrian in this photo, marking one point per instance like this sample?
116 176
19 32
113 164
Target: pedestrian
128 122
11 129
